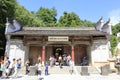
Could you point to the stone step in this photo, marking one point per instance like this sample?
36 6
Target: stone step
58 70
65 70
91 69
52 70
22 70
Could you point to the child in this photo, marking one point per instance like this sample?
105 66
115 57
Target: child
27 64
46 68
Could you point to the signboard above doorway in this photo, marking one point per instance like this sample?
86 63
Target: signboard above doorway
58 38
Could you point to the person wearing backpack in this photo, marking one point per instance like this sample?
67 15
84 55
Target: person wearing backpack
7 64
16 68
11 67
19 63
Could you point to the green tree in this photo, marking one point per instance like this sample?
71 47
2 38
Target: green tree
118 39
7 9
87 23
47 16
113 42
116 29
69 20
114 39
25 17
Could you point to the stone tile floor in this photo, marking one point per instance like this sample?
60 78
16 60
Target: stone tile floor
112 76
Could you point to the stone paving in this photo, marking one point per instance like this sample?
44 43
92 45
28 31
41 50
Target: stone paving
112 76
65 76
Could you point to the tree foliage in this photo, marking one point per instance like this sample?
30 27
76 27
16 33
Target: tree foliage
47 16
7 9
25 17
69 20
114 40
116 29
87 23
73 20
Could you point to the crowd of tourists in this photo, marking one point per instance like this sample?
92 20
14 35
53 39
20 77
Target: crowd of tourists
9 68
53 61
38 67
64 60
61 60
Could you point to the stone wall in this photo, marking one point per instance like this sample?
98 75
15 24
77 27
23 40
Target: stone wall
100 52
17 50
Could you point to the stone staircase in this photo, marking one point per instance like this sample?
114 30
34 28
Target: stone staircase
65 70
52 70
58 70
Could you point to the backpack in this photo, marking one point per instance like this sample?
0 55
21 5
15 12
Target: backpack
7 64
18 65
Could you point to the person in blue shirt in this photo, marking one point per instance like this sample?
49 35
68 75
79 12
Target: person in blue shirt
46 68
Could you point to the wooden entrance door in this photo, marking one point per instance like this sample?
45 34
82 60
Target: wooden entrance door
34 52
80 52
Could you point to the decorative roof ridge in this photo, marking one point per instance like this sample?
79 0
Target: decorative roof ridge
58 28
105 25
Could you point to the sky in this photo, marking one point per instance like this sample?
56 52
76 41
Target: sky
91 10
